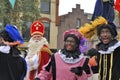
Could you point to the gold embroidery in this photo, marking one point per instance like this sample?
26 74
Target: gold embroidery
111 63
37 25
100 66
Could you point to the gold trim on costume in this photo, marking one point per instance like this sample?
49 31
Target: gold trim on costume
105 67
111 63
99 77
46 50
39 61
104 58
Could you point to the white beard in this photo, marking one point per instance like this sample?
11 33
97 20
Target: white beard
34 46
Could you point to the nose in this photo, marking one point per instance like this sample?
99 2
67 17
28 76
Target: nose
105 34
69 42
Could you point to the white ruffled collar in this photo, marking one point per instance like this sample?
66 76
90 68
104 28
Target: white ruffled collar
70 60
5 49
110 49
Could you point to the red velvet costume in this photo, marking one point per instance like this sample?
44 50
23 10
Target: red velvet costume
44 56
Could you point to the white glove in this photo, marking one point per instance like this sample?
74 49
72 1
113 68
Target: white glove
32 63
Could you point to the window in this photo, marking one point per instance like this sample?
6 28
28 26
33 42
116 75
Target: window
26 30
78 23
45 6
47 30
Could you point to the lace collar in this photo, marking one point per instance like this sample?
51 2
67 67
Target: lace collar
110 49
70 60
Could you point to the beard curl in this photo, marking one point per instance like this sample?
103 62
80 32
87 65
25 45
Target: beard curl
35 46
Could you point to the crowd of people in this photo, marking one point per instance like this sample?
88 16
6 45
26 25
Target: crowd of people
72 62
68 63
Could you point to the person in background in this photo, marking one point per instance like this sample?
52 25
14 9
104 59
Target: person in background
38 51
68 63
108 58
12 65
92 53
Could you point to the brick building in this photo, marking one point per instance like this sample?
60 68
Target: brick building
73 19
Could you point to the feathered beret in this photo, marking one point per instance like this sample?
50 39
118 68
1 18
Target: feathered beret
89 29
12 35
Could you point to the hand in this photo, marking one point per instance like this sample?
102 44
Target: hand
92 52
36 79
77 70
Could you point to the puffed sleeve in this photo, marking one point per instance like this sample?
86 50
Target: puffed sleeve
45 73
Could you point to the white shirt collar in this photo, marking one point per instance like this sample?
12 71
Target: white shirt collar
110 49
5 49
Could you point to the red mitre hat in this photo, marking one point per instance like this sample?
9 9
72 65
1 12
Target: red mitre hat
37 28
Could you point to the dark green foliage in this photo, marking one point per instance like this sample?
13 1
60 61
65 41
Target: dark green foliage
24 11
27 8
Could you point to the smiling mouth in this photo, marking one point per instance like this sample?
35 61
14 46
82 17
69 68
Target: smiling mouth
69 47
105 40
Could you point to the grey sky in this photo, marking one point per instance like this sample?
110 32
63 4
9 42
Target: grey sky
66 6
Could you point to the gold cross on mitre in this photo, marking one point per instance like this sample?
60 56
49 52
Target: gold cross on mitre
37 25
